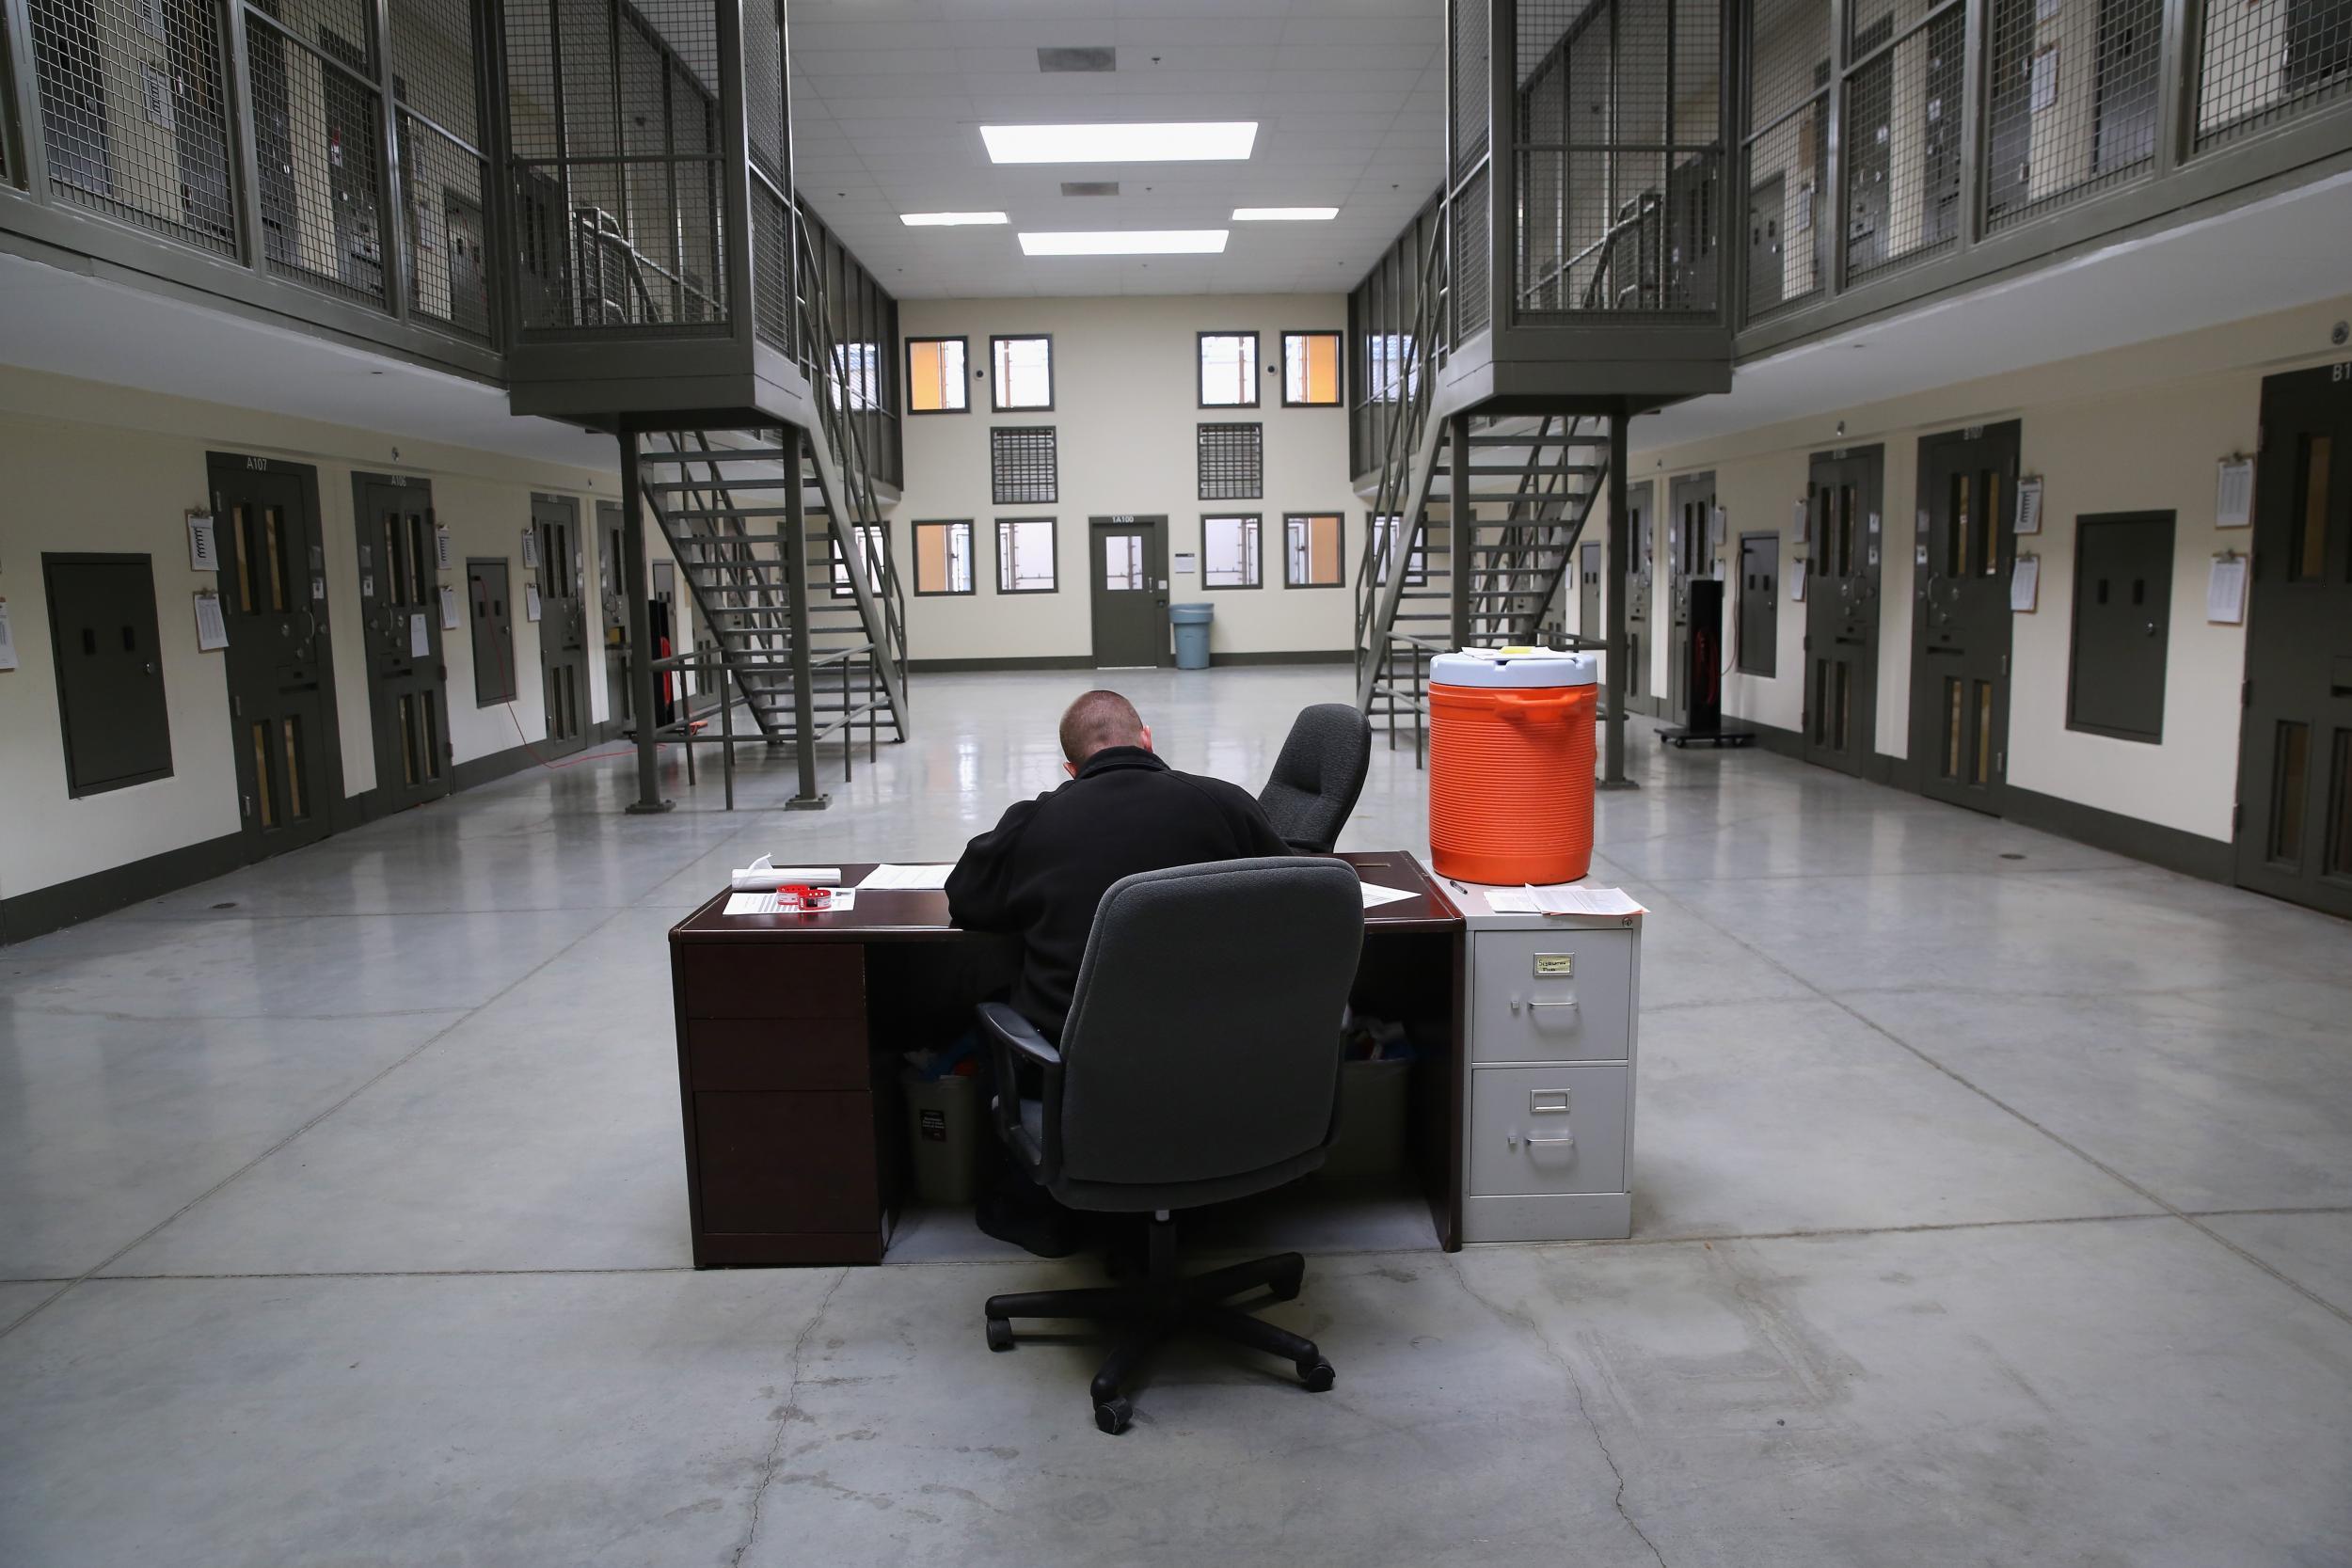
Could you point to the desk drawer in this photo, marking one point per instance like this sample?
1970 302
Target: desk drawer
741 979
786 1163
1523 1009
1547 1129
776 1054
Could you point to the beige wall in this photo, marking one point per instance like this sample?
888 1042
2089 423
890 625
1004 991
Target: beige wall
94 468
2137 429
1126 408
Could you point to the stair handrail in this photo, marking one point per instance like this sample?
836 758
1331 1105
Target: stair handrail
841 433
1376 602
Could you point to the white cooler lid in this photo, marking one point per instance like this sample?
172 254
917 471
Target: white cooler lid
1514 667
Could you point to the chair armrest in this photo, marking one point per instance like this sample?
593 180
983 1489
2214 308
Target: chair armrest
1011 1029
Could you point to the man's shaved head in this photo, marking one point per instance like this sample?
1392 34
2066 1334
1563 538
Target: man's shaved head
1098 720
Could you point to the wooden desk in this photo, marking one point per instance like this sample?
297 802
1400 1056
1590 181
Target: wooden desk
790 1029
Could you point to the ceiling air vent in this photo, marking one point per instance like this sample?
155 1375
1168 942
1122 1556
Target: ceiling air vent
1089 187
1078 60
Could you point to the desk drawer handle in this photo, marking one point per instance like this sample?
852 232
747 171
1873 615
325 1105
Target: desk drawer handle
1567 1007
1566 1140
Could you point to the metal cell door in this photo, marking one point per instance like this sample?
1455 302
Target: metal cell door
611 555
1689 523
2294 751
1637 597
273 601
563 620
400 627
1964 547
1128 577
1841 608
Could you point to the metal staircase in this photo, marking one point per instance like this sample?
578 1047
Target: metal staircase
780 538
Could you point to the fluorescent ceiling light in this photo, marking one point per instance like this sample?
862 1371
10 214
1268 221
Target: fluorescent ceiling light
1126 241
944 220
1283 215
1187 142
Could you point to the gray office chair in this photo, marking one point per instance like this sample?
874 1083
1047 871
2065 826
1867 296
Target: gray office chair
1318 776
1199 1063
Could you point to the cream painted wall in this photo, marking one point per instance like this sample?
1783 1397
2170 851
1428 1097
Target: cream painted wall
110 468
2137 429
1126 408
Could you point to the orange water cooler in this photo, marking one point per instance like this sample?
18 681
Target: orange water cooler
1511 765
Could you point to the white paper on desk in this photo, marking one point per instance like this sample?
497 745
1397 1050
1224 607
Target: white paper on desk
906 879
1376 896
1565 899
763 874
765 903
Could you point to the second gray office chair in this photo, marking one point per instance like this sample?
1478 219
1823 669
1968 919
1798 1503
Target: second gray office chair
1201 1063
1318 777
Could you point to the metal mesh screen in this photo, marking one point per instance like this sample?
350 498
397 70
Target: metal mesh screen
319 136
772 268
1619 156
2264 61
2071 102
1467 79
1232 461
1472 305
449 279
764 121
442 171
614 126
1787 152
133 110
1020 464
1903 132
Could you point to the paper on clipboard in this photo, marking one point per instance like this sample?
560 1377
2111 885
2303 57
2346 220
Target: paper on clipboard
2225 591
2025 584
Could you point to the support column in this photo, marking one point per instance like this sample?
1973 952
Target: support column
796 603
1621 583
640 631
1459 528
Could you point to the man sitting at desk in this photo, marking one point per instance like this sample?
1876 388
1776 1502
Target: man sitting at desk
1042 869
1045 867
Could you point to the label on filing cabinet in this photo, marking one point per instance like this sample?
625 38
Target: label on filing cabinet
1556 966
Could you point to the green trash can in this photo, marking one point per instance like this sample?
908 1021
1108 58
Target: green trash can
1192 634
942 1137
1370 1137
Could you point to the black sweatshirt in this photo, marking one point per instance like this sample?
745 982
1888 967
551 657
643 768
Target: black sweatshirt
1043 869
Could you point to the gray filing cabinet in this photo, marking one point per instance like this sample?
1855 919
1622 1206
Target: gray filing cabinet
1548 1141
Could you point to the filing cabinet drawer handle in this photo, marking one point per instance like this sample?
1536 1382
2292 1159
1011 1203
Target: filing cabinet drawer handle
1513 1140
1568 1006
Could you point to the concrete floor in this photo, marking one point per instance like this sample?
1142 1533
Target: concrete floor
1989 1209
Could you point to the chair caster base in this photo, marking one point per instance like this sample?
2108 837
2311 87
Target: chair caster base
1000 1334
1113 1415
1317 1375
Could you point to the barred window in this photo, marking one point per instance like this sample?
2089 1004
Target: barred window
1232 461
1023 470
